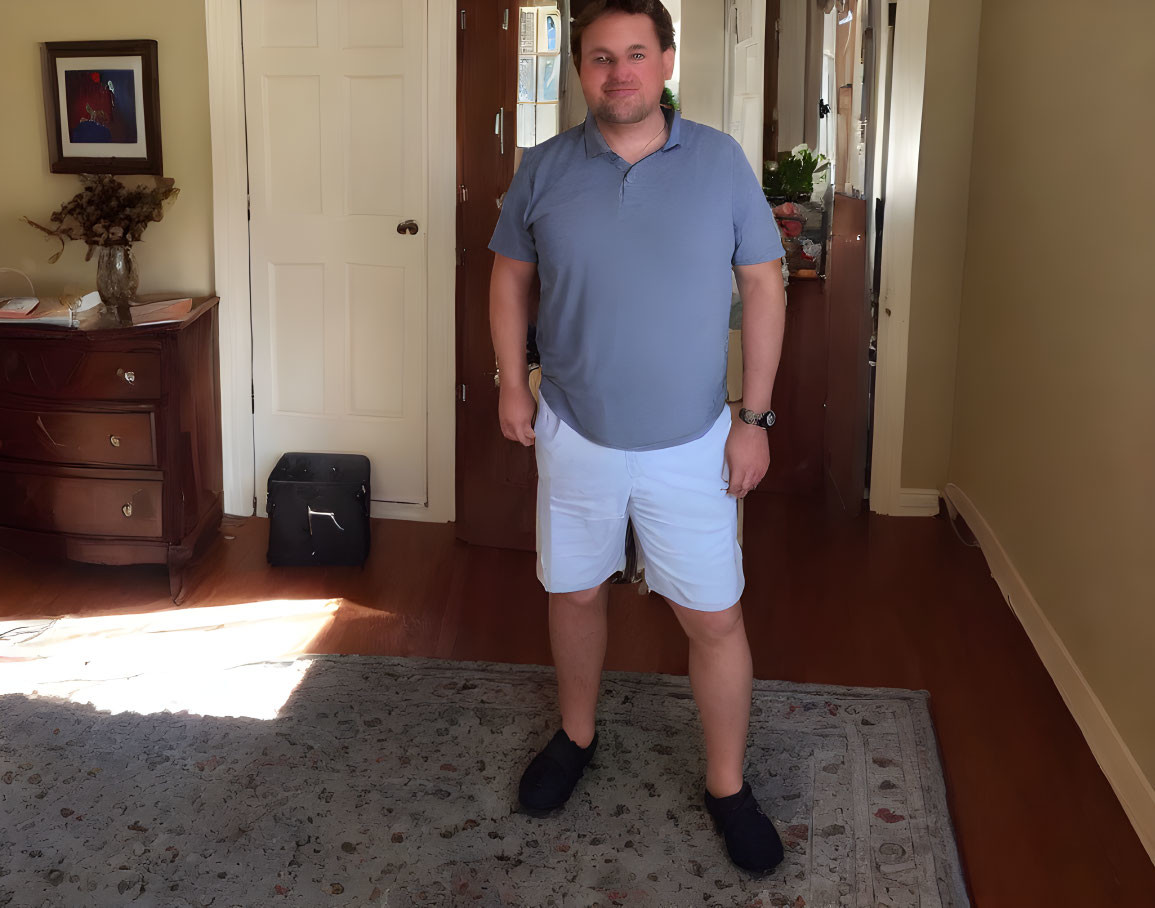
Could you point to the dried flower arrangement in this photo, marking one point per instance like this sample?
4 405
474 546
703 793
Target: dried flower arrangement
107 213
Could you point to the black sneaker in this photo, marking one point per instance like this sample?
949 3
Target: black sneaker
550 778
751 838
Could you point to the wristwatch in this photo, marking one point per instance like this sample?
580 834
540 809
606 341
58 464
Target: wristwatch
765 420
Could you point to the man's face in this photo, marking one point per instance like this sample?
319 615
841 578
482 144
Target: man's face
623 69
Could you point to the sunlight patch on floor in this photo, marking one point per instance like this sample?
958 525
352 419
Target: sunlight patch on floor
230 660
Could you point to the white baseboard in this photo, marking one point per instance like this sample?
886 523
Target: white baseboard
917 503
1114 757
396 510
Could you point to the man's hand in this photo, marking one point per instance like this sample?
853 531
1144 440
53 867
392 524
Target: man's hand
515 406
747 456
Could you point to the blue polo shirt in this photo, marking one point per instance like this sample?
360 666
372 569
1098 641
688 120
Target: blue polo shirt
635 264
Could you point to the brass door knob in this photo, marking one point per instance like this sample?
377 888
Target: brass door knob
129 377
114 440
127 509
409 227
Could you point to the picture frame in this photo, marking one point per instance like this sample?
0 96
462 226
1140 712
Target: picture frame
102 106
548 30
527 30
548 76
526 79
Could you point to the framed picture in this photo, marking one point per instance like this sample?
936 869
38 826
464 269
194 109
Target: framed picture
526 125
527 30
546 122
548 69
548 31
102 106
526 79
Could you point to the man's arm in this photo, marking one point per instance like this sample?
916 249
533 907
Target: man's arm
510 289
763 323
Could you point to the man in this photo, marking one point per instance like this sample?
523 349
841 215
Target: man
634 223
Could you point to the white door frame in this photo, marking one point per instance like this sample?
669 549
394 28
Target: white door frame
231 258
906 96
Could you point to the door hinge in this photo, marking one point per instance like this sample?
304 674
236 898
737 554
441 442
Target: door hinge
463 20
461 393
253 398
505 19
249 207
464 193
254 504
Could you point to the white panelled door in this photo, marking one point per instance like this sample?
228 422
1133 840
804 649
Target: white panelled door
336 104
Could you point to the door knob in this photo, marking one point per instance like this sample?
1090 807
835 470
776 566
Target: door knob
409 227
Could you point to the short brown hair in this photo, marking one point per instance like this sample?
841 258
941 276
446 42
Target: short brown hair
593 11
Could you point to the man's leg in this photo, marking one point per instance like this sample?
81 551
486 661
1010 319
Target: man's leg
582 493
577 633
577 630
722 677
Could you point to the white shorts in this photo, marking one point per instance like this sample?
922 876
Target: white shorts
685 524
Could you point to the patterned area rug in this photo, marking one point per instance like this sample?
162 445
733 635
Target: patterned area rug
392 782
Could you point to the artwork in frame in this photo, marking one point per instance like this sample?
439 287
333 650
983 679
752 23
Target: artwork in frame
527 31
548 31
102 106
548 69
526 79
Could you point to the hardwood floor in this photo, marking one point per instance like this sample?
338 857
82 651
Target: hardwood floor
895 602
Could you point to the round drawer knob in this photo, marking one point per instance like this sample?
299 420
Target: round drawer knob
114 440
127 509
128 376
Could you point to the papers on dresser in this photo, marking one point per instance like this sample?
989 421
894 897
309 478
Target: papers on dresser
170 310
18 306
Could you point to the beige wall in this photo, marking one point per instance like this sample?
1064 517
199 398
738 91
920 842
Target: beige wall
940 230
1054 428
702 52
176 253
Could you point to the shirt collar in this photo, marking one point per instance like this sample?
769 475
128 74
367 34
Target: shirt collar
596 144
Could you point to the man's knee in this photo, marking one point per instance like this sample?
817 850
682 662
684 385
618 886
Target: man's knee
579 598
709 627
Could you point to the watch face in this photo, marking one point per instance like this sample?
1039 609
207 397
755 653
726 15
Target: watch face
765 420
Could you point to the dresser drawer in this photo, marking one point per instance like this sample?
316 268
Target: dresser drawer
60 371
58 436
81 505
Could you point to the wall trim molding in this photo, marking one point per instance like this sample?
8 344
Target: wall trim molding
231 259
1132 788
908 81
917 503
231 250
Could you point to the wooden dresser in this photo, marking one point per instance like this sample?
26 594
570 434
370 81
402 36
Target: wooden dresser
110 439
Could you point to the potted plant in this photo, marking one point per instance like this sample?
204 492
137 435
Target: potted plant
110 216
791 177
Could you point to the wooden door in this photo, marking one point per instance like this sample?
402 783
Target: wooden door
847 355
496 478
336 111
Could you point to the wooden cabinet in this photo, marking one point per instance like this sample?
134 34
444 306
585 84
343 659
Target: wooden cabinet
110 439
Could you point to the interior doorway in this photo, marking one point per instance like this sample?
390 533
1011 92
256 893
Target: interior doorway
356 291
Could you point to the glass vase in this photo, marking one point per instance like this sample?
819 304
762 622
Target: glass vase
116 276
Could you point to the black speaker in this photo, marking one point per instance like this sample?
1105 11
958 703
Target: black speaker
319 509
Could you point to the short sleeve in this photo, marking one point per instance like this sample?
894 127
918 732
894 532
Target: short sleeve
512 237
756 236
